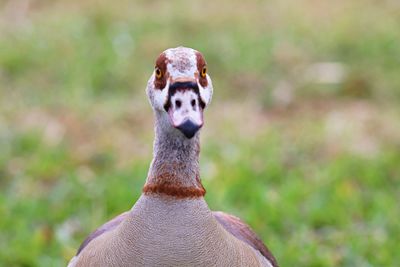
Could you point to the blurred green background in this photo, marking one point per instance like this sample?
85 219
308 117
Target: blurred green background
302 139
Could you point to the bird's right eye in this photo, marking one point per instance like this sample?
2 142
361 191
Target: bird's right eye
159 73
204 72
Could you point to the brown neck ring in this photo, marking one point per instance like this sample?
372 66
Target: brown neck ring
174 190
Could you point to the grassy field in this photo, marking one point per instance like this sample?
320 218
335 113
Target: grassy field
302 139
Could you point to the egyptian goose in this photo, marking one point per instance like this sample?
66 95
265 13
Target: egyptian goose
171 223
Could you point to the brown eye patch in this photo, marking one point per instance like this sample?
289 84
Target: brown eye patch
201 67
160 80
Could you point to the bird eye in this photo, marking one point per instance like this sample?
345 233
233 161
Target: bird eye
204 72
158 73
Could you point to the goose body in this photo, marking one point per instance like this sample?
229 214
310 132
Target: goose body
171 223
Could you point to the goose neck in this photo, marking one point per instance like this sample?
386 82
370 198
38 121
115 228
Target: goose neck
174 170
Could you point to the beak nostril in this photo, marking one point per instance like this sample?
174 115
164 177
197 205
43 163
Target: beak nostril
193 102
178 103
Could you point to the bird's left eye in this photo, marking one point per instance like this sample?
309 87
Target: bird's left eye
158 73
204 72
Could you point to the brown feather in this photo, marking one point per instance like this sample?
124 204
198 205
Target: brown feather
174 190
201 63
161 63
242 231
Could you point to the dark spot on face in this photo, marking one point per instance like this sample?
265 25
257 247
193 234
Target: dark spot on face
161 64
201 63
178 103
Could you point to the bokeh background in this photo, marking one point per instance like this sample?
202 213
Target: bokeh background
302 139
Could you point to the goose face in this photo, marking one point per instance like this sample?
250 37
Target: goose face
180 89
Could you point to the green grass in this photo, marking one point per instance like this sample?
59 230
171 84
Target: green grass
311 165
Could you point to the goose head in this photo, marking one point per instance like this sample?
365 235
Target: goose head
179 90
